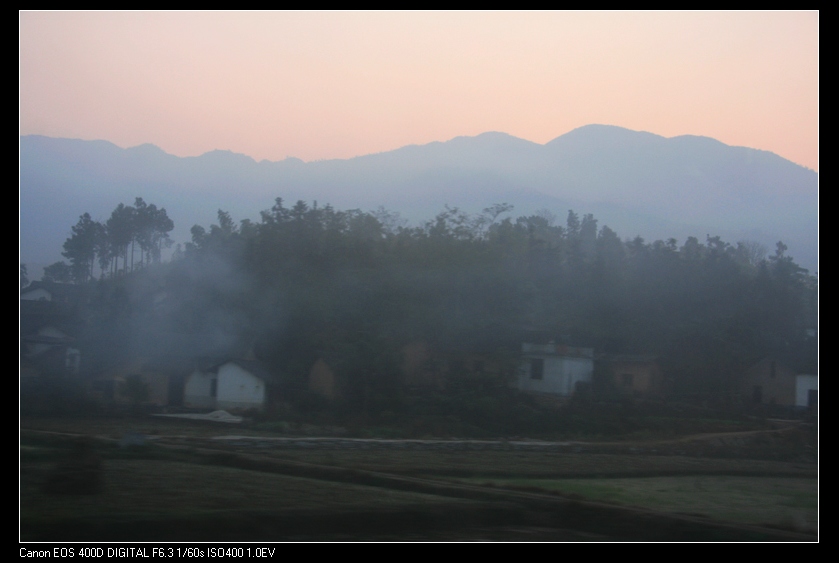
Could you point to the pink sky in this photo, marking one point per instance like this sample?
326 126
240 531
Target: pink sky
320 85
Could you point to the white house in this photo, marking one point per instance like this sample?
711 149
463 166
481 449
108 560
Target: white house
231 384
554 368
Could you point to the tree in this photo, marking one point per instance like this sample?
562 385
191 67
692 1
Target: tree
104 251
199 238
572 234
81 247
141 224
610 253
751 252
161 226
490 214
572 224
24 276
120 230
59 272
143 228
391 221
588 236
226 226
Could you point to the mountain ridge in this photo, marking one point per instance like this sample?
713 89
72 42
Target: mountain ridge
693 182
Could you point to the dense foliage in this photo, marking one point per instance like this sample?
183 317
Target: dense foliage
354 288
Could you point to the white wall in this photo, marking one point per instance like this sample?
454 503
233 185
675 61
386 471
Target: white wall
238 388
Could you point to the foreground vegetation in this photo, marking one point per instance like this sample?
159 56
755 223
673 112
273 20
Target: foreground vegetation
781 502
101 482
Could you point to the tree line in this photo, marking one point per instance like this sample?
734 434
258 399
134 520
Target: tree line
353 288
357 286
136 233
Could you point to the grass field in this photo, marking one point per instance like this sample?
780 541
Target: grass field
783 502
149 499
151 487
543 464
185 486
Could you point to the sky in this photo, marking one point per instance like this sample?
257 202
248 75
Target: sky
324 85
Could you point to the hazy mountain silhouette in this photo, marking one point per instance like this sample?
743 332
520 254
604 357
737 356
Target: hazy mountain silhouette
637 183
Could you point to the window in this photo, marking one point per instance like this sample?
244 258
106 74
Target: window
537 368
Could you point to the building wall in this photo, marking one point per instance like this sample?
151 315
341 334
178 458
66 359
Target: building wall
112 384
235 388
803 385
238 388
158 386
322 380
420 368
197 389
769 382
636 378
560 374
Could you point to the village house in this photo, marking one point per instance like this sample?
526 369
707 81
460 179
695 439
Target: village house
37 291
429 368
137 381
227 384
555 369
322 380
49 324
770 382
61 297
631 375
49 351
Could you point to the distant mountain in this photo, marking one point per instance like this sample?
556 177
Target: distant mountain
637 183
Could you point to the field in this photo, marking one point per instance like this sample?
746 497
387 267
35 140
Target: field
174 480
783 502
